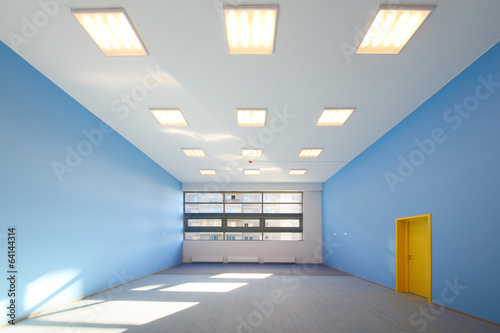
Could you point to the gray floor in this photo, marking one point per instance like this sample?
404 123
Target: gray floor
251 298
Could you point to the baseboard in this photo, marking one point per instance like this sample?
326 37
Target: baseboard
466 314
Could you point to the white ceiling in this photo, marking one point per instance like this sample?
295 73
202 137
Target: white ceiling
307 72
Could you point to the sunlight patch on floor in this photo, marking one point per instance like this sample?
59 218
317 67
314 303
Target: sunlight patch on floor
208 287
32 327
241 276
150 287
118 313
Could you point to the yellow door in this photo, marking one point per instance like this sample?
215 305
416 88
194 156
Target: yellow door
418 257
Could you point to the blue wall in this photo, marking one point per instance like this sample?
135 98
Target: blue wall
89 213
443 159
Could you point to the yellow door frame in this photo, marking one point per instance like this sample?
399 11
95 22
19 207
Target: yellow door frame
402 253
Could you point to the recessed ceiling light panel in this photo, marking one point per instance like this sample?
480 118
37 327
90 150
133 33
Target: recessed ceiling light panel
194 152
251 153
112 30
208 172
297 172
251 29
334 117
252 172
392 28
254 118
314 152
169 117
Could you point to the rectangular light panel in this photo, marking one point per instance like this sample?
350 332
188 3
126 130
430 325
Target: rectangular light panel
251 153
251 29
194 152
252 172
170 117
112 30
310 152
254 118
334 117
392 28
297 172
207 172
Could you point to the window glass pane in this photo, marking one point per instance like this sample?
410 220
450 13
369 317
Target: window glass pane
243 223
283 208
203 235
294 236
283 197
203 197
244 208
203 208
205 223
243 216
288 223
243 236
243 197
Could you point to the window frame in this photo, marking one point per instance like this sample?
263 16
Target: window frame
242 216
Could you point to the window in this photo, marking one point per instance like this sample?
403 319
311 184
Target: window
282 223
204 222
196 203
203 236
282 236
283 197
203 197
243 208
203 208
243 216
243 236
243 197
239 223
283 208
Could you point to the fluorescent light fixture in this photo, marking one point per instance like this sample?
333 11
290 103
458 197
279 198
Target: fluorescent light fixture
252 172
169 117
194 152
112 30
207 172
334 117
251 29
314 152
297 172
251 153
392 28
255 118
208 287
